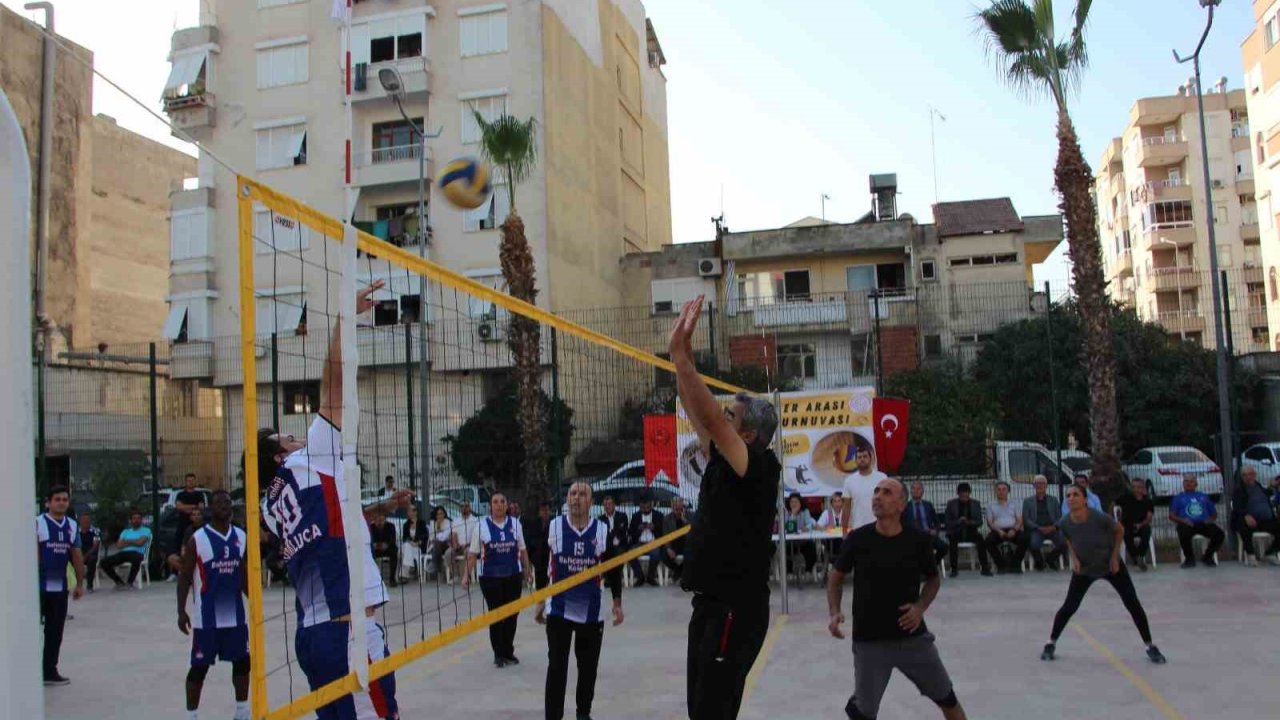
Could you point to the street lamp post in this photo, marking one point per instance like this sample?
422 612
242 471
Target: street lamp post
1225 445
393 84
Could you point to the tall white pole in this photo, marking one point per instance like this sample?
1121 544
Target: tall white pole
21 691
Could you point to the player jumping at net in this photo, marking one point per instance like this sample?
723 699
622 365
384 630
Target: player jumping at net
727 554
578 543
303 506
889 561
220 629
1093 541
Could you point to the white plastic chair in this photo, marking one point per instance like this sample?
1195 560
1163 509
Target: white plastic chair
1262 542
973 553
1199 544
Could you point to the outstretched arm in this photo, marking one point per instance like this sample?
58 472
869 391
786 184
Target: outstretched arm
331 374
699 403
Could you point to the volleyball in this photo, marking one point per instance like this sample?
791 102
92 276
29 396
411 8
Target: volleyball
847 459
465 183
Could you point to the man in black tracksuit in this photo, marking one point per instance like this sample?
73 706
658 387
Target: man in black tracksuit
727 554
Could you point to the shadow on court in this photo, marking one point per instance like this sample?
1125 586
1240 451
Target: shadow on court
1218 627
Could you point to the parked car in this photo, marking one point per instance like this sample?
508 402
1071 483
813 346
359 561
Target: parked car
1265 458
1163 467
627 491
1079 461
477 495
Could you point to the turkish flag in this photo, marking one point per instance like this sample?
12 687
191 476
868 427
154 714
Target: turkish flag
890 417
660 448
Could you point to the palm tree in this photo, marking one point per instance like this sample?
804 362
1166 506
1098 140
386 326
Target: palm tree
1022 42
509 144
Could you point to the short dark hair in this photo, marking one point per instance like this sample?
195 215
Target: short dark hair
188 475
544 504
963 488
57 490
795 496
135 511
216 493
1006 485
610 498
837 493
389 478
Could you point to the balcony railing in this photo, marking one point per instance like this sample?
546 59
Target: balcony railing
1239 130
1163 140
379 156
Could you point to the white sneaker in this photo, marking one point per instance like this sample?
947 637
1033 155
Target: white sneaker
171 578
1273 560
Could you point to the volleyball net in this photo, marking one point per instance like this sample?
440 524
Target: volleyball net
450 388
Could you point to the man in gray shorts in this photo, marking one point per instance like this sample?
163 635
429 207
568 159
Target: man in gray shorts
889 563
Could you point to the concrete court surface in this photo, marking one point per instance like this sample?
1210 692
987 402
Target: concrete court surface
1219 627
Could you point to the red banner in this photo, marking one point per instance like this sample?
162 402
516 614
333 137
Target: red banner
890 418
660 448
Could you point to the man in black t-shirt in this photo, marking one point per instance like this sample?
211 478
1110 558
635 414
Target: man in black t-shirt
889 562
1136 514
188 499
727 550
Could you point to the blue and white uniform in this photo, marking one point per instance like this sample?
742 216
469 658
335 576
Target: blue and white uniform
574 551
219 626
56 539
498 547
303 505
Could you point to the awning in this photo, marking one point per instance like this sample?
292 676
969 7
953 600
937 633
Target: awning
174 322
297 136
186 69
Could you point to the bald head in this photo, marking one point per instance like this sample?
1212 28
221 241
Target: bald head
579 501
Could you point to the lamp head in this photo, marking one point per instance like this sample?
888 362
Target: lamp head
392 83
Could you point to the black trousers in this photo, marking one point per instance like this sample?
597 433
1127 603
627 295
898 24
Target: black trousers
539 559
1267 526
1136 542
1019 542
724 641
90 568
499 591
1209 530
1124 587
133 559
966 534
586 648
53 606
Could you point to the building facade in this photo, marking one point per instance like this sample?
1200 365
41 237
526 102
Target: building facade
1152 208
1262 95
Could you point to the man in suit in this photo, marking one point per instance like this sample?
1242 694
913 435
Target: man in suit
646 526
964 524
921 516
616 521
385 543
1039 519
673 552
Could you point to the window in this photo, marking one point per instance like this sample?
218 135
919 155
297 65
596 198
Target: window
483 33
891 276
1271 31
188 234
670 295
394 141
928 270
386 312
1170 213
797 362
1244 166
390 38
301 398
188 318
1224 256
1262 148
282 146
984 260
1258 335
932 346
791 285
1259 452
1195 338
283 63
862 355
272 232
479 308
860 278
489 107
188 76
491 213
282 313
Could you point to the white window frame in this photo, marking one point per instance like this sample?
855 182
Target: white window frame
491 278
673 293
491 213
483 30
399 24
933 270
1271 32
984 260
192 310
283 62
283 140
491 104
807 350
189 234
279 310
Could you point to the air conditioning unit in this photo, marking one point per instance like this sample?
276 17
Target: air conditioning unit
1218 185
490 330
710 267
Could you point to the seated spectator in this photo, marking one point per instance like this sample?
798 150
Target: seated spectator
1094 502
464 530
833 515
1136 514
174 559
673 555
921 515
1251 512
1004 528
413 542
385 543
964 524
1195 514
441 534
1040 522
132 548
90 548
646 526
797 521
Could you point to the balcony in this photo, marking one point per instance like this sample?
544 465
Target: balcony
187 99
1257 316
1173 234
1162 150
1244 185
389 166
414 72
827 310
1249 233
1174 278
191 360
1124 264
1252 273
1171 189
1182 321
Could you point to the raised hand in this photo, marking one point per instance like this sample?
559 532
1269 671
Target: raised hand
682 331
364 298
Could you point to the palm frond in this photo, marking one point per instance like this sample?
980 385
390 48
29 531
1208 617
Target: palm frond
510 144
1015 46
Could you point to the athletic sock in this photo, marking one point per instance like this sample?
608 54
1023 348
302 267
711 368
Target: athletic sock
242 710
191 714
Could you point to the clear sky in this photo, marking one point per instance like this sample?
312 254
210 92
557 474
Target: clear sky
772 104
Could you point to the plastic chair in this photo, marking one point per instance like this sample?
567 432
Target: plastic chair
1262 542
1199 544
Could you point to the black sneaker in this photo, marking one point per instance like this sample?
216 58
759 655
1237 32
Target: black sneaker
1155 656
1188 563
1016 569
1047 653
512 660
986 572
851 709
583 716
500 662
953 573
56 679
1209 560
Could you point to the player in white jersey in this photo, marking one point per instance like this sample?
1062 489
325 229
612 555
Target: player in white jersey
304 490
214 562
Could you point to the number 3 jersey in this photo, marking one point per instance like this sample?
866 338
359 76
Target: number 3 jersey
303 506
219 578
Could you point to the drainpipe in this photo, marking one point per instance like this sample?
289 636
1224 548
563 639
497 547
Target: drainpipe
42 224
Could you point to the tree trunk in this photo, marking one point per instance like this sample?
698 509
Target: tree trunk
1074 179
524 340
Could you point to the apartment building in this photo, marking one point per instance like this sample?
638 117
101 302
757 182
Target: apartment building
807 301
265 86
1152 209
1262 70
